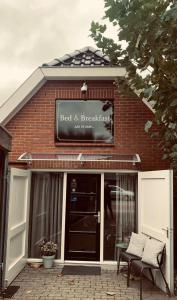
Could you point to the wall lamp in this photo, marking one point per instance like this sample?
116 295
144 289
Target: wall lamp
84 88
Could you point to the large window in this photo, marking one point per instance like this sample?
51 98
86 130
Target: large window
45 211
119 211
84 121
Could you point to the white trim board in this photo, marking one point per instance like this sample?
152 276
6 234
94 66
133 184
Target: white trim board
96 73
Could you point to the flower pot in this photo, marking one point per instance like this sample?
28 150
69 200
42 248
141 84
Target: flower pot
48 261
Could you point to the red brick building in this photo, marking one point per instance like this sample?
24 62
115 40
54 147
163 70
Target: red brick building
32 119
82 145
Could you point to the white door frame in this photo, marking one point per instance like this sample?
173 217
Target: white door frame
63 218
102 219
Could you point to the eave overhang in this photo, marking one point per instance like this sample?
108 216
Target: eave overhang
83 73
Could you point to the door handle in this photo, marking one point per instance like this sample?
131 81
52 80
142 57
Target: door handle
167 231
98 216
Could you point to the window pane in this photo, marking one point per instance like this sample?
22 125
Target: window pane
45 211
120 211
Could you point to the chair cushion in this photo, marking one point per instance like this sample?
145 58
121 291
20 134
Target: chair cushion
151 250
136 245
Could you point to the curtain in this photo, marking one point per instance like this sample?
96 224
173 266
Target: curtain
125 206
45 211
120 210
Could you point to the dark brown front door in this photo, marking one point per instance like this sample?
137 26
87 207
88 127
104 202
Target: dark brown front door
82 239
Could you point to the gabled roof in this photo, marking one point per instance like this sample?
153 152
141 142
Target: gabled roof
85 57
85 64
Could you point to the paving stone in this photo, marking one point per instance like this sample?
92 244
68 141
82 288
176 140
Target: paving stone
42 284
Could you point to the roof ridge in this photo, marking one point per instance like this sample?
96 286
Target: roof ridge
61 60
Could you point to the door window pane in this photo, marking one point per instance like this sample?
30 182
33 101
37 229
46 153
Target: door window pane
120 193
80 201
82 223
82 242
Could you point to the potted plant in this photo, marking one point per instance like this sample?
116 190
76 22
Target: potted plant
48 250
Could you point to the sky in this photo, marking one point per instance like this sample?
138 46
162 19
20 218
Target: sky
37 31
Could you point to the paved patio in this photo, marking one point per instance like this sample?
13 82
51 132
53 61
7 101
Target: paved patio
48 284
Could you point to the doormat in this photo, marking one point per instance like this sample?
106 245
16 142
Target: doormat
9 292
81 270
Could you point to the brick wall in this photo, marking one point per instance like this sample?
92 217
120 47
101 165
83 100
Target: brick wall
33 128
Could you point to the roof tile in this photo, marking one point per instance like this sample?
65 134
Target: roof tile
87 56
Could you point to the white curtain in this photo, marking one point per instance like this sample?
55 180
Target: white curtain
125 206
45 211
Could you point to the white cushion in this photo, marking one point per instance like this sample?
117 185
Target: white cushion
136 245
151 250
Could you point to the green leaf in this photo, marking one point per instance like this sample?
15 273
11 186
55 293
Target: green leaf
173 103
174 148
173 155
151 61
158 33
148 92
148 125
172 125
165 156
154 134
